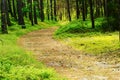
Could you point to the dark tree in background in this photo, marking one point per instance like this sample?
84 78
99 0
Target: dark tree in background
10 8
51 11
31 11
4 16
91 13
48 11
7 14
42 16
77 9
60 10
20 14
55 14
14 10
68 9
35 12
83 9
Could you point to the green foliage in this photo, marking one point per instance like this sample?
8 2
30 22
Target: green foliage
16 63
79 27
96 41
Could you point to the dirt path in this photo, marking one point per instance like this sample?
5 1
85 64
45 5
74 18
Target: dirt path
65 60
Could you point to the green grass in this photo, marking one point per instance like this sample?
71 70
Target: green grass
81 36
96 44
18 64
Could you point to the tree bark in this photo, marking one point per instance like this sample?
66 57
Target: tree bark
35 13
14 10
91 13
42 16
48 11
77 9
55 14
7 14
3 17
9 8
30 12
83 9
20 14
51 6
68 10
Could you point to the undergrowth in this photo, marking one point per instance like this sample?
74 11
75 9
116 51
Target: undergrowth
81 36
16 63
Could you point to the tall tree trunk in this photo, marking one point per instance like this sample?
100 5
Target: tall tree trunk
86 8
83 9
9 8
51 6
14 10
48 11
3 17
119 17
91 13
7 14
35 13
55 14
20 14
68 10
42 16
31 12
97 13
77 9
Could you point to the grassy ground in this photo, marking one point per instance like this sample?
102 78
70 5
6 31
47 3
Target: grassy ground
81 36
16 63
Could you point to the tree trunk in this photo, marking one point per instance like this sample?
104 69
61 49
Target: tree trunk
3 17
9 8
14 10
20 14
97 13
55 14
30 12
48 11
35 13
51 6
83 9
91 13
77 9
68 10
42 10
7 14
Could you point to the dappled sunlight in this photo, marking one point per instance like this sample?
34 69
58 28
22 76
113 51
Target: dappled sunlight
95 44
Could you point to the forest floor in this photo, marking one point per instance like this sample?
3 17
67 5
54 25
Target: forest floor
68 62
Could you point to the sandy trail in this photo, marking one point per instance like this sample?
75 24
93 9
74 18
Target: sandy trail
66 61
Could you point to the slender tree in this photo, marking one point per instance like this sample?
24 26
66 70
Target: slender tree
35 13
48 11
91 13
7 14
77 9
20 14
42 16
30 3
68 10
3 16
83 9
10 8
51 6
55 14
14 10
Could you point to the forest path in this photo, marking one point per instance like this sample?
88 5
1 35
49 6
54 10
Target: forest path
66 61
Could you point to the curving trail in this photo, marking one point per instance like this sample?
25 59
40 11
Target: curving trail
65 60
